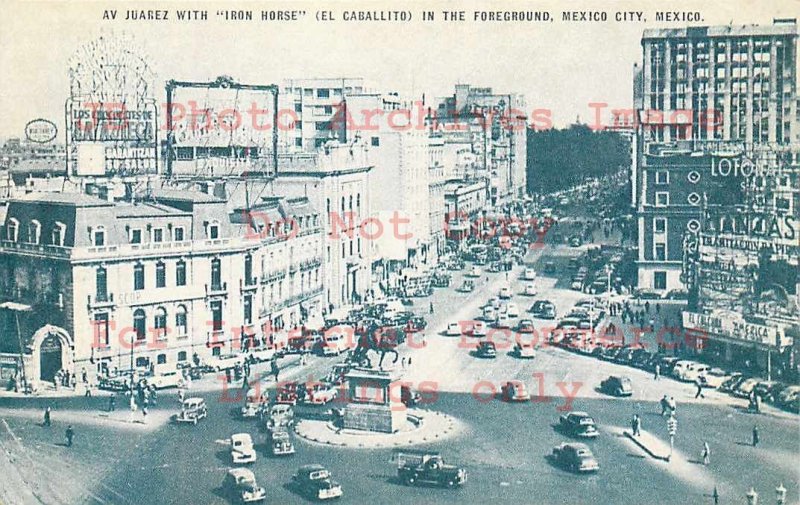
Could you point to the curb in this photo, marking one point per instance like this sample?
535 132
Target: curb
642 446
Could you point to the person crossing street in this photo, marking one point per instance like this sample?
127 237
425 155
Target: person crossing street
70 434
47 417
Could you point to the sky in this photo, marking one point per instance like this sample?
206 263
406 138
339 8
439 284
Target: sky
557 65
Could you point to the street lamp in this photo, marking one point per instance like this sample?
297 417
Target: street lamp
780 494
132 338
752 497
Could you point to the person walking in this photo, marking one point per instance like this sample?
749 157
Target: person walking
112 402
144 415
664 405
755 436
181 395
47 417
656 372
706 454
699 385
70 433
431 307
636 425
274 369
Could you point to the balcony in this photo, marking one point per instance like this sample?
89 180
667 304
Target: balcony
215 338
217 289
273 276
100 301
310 264
248 284
36 249
293 268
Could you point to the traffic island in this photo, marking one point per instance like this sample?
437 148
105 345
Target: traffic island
653 446
419 427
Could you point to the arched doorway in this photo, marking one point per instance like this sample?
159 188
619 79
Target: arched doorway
50 354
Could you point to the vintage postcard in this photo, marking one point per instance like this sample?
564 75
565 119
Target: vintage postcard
399 252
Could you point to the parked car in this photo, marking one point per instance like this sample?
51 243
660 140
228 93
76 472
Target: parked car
261 355
525 326
478 329
732 382
764 389
474 272
320 393
280 441
575 457
713 378
529 274
503 321
163 380
578 424
315 482
240 485
242 450
429 468
467 287
192 410
453 330
544 309
676 294
224 361
524 350
514 391
789 398
746 387
695 372
617 385
512 310
680 368
486 349
489 313
505 293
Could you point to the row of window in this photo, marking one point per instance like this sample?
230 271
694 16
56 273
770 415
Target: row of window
140 328
101 277
34 235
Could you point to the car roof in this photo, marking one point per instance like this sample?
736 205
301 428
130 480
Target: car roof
577 446
242 473
579 414
241 437
193 400
314 467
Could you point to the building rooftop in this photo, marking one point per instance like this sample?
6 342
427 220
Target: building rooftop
784 28
184 196
71 199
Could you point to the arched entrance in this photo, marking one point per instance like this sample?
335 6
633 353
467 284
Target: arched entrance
50 352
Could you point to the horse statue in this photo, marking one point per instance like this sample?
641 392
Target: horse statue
376 339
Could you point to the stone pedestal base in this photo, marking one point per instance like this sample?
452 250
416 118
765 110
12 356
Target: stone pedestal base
377 418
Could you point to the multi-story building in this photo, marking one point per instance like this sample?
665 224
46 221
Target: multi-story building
100 285
703 95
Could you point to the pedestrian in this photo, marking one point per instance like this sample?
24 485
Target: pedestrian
144 415
153 397
647 306
403 363
431 306
70 433
88 392
658 308
47 417
409 362
636 425
274 369
755 436
673 406
699 385
84 376
664 405
706 454
181 395
112 402
657 371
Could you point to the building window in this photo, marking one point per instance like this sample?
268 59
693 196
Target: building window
178 234
298 142
161 275
12 229
158 234
101 333
182 356
136 236
139 324
34 231
101 285
375 141
659 225
216 274
662 198
138 277
58 234
181 321
216 315
328 109
248 269
323 93
161 359
660 280
160 323
248 309
99 237
660 251
662 177
180 273
213 230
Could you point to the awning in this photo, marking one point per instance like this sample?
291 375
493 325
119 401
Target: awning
18 307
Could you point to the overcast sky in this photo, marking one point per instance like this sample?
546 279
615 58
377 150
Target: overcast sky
557 65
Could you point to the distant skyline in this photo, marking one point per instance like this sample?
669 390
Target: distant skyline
557 65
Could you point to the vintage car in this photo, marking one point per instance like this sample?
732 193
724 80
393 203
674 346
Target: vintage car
578 424
224 362
505 293
503 320
254 403
242 450
478 329
486 349
467 286
408 397
192 410
530 289
429 468
168 379
512 309
287 393
315 482
279 415
525 350
514 391
525 326
240 485
280 441
617 385
575 457
320 393
440 280
529 274
474 272
453 330
261 355
543 309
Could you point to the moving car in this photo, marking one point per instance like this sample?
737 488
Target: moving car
170 379
320 393
335 343
224 361
617 385
280 415
530 289
714 378
315 482
453 330
192 410
578 424
242 450
467 287
512 310
489 313
525 326
525 350
732 382
503 320
529 274
478 329
514 391
544 309
575 457
474 272
240 484
428 467
681 367
486 349
279 441
505 293
255 403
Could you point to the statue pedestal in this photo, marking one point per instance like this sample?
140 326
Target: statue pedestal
371 407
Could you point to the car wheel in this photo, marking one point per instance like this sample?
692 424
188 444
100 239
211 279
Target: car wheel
411 479
194 421
451 483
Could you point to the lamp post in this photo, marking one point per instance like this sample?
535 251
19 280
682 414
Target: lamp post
780 494
132 338
752 497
